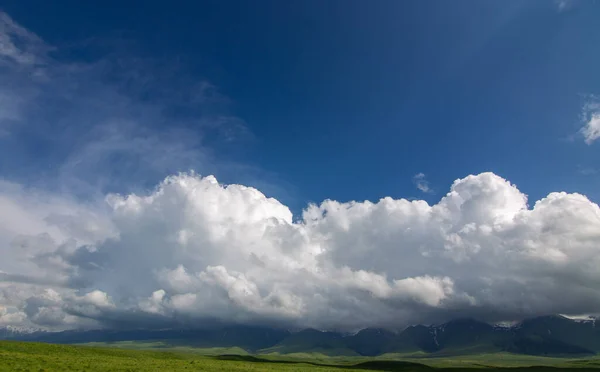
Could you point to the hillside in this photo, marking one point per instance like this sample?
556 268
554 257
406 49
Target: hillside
32 356
313 341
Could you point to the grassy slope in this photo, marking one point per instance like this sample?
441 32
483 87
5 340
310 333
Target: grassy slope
494 359
163 346
24 356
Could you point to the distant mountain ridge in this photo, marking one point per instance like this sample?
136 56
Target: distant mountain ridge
11 332
547 335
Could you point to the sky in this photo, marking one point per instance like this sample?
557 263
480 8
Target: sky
336 165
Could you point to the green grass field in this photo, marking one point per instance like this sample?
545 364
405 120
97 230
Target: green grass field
127 356
23 356
498 359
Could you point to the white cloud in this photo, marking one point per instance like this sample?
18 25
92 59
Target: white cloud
20 46
23 55
194 250
421 183
479 251
591 131
591 119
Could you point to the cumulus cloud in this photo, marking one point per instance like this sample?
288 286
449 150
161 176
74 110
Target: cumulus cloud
194 250
80 250
421 183
73 131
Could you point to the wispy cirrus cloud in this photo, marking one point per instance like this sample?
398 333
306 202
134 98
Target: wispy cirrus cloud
107 124
587 171
564 5
19 46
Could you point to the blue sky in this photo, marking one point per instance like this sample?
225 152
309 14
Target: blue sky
349 101
389 137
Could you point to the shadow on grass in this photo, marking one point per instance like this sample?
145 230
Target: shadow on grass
390 365
375 365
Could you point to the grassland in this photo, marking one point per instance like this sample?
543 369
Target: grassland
24 356
123 356
498 359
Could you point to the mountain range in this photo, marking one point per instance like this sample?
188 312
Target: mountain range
547 335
